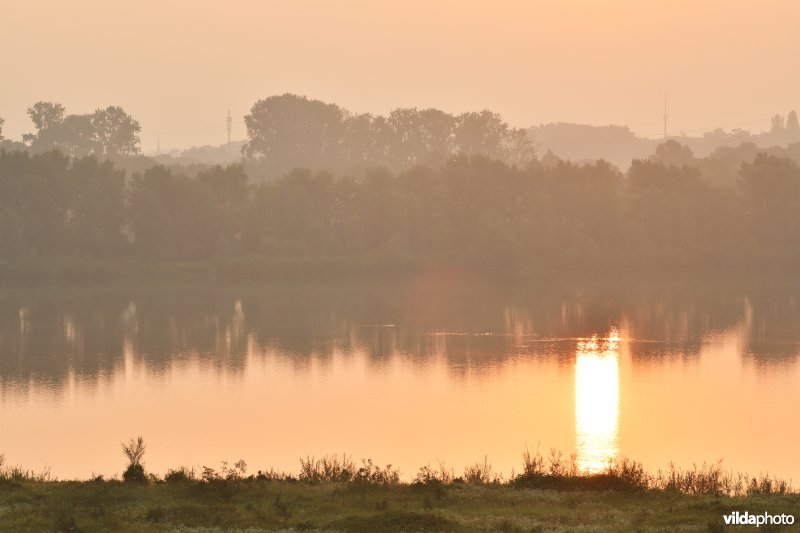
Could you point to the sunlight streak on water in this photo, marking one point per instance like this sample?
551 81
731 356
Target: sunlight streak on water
597 402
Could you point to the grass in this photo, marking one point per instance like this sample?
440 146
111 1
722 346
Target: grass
334 493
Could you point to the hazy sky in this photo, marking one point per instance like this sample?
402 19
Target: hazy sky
177 65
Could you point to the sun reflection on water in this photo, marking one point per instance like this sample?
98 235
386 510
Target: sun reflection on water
597 401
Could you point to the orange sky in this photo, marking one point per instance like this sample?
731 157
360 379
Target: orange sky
176 66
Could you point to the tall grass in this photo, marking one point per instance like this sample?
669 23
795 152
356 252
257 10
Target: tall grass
557 472
440 474
712 479
553 471
332 468
481 473
17 473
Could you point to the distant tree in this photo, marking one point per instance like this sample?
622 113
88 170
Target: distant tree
792 123
74 135
778 125
96 198
2 121
223 193
519 147
160 219
116 132
290 131
33 209
480 134
420 133
666 202
550 160
107 132
360 140
770 187
46 115
672 152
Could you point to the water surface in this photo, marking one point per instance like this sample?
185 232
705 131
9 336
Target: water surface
444 367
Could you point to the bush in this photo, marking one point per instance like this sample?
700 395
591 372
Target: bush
134 474
180 475
134 451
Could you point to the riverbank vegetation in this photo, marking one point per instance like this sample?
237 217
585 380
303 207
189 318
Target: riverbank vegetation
336 493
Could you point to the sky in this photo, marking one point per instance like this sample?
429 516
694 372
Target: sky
177 66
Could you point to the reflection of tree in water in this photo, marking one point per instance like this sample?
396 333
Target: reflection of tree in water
774 331
48 334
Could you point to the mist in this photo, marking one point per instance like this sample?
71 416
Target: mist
399 266
178 68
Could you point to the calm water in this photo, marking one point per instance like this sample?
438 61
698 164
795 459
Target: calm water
443 367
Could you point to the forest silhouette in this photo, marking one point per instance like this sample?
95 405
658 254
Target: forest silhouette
419 186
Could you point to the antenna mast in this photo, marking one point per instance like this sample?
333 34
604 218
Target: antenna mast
665 115
229 124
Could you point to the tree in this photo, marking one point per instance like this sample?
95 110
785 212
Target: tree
224 193
157 204
2 121
673 153
46 115
96 198
289 131
667 204
107 132
778 125
792 123
770 187
33 209
519 147
116 132
74 136
480 134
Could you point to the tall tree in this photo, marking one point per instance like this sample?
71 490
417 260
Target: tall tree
46 115
777 124
290 131
116 132
480 134
108 132
792 123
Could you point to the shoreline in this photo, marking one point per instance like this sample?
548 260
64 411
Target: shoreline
335 493
131 270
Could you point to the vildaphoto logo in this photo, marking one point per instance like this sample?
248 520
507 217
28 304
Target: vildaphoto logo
746 519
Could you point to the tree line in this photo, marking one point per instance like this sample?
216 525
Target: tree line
288 131
472 209
106 133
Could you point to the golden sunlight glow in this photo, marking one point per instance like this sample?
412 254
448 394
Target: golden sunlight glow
597 401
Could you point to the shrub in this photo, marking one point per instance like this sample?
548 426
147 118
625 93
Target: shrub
134 451
480 473
179 475
134 474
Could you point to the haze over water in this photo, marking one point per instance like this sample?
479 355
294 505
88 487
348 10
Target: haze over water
446 366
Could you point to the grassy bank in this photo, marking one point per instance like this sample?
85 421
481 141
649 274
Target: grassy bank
259 505
337 494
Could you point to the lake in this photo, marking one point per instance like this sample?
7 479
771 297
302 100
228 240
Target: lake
443 367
